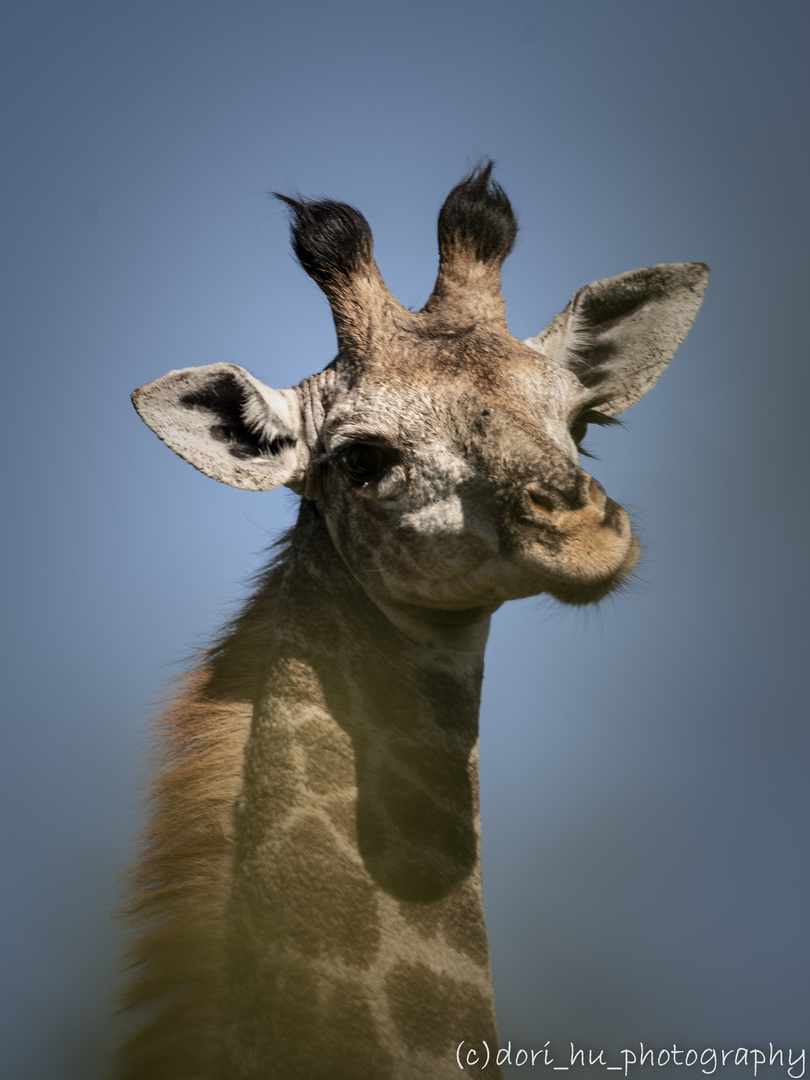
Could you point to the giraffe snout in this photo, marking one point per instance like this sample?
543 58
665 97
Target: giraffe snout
579 541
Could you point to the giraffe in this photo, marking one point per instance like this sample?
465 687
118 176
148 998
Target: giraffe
308 899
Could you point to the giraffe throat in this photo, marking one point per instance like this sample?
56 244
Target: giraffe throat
356 916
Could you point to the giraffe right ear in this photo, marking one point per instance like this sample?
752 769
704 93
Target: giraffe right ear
228 425
617 335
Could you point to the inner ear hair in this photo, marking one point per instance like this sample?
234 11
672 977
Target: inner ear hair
236 411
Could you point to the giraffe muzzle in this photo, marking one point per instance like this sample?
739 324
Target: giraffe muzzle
579 543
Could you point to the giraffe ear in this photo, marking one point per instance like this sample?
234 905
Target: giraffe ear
617 335
228 425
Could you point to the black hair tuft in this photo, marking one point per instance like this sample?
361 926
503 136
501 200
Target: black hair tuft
478 217
331 240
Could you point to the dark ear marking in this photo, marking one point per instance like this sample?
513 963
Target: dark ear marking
586 363
225 399
477 219
332 241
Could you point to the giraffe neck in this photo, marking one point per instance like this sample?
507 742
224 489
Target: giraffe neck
356 938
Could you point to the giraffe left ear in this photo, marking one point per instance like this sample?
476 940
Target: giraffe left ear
617 335
228 425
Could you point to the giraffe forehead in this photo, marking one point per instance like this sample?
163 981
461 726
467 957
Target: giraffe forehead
412 396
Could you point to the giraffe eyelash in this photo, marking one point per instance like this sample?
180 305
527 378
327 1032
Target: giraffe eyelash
593 416
590 416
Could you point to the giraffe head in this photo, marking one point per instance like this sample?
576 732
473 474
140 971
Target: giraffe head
444 451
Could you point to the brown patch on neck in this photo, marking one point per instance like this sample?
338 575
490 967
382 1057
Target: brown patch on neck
417 996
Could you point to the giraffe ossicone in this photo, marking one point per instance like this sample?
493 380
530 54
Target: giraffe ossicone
308 898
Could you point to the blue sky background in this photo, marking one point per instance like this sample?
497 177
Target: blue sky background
644 766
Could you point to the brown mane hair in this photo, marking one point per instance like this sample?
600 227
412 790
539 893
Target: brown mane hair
178 890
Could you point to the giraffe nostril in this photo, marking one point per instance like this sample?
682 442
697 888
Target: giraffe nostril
540 501
596 495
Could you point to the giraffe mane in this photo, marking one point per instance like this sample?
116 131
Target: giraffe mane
178 891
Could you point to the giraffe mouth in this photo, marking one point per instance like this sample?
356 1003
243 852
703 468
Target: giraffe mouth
582 580
577 556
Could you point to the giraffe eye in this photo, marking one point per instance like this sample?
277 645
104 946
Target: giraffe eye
365 462
579 429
